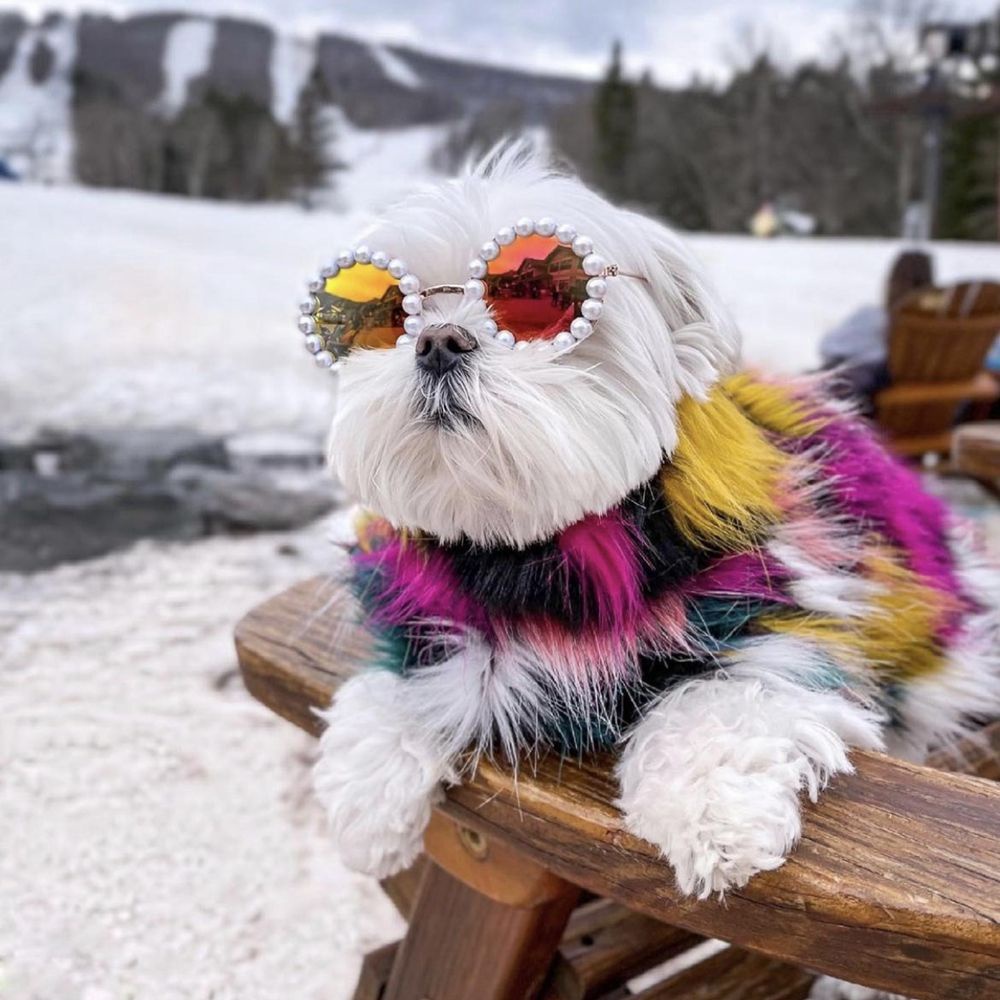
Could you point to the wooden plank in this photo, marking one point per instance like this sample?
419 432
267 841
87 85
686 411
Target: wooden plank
733 974
375 971
605 945
403 887
896 882
461 944
489 865
979 387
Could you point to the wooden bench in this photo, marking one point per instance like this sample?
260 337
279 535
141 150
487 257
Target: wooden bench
976 453
534 889
938 340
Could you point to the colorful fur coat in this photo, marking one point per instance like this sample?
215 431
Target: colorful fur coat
777 515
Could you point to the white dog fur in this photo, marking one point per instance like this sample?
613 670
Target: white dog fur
714 772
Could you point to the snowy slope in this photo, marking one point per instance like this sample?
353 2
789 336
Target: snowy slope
178 311
36 134
292 60
186 56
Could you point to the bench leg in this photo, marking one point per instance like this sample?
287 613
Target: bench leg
462 944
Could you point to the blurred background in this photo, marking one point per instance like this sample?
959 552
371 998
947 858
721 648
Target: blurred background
171 173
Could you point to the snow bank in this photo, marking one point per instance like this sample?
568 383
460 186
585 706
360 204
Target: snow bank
123 309
159 838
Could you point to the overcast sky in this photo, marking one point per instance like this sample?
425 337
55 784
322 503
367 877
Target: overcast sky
674 38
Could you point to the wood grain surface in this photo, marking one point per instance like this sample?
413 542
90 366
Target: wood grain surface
895 884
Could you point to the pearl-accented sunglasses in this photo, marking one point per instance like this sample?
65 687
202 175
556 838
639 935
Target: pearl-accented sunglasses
542 282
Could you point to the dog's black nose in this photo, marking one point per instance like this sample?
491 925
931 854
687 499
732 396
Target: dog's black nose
440 348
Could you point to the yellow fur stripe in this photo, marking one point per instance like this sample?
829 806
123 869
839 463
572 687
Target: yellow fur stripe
897 638
771 405
723 481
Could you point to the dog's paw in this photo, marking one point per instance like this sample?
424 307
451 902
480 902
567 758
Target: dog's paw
377 776
718 826
827 988
712 775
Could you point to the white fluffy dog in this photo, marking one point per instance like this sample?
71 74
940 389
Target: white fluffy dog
575 545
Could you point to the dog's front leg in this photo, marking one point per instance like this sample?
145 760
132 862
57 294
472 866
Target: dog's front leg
712 774
378 775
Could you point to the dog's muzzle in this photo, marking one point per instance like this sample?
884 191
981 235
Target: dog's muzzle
439 349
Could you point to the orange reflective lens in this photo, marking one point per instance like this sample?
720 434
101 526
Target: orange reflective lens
360 306
535 286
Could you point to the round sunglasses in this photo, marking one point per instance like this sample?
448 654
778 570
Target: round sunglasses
541 280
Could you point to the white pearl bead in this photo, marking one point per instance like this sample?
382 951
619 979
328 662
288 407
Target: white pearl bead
597 288
505 235
477 268
474 288
397 267
521 345
314 343
581 328
506 338
345 258
307 324
413 325
565 233
594 264
489 327
545 226
563 340
409 284
324 359
583 245
380 259
363 254
489 250
330 271
524 226
412 304
316 285
403 339
308 305
592 309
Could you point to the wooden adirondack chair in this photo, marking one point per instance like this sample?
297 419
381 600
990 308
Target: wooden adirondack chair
938 340
533 889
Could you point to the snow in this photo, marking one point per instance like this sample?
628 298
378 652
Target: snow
785 293
183 312
159 836
292 61
186 56
395 67
36 135
382 164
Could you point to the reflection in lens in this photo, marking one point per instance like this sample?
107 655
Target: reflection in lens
360 306
535 286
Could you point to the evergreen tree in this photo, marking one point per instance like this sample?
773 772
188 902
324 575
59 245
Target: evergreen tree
968 207
310 160
615 126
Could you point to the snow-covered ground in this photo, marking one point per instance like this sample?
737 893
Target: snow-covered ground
122 308
158 839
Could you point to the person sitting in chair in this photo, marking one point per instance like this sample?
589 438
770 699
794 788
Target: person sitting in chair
858 346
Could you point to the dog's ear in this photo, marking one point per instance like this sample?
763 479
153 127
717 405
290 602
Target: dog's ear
706 340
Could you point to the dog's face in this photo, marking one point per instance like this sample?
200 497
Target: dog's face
506 447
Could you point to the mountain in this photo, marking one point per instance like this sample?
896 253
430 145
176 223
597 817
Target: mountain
119 101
